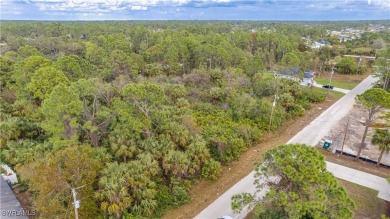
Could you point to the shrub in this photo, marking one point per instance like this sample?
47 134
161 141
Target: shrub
296 110
211 170
180 196
314 96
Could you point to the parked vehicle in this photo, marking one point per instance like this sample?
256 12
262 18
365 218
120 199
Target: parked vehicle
328 86
225 217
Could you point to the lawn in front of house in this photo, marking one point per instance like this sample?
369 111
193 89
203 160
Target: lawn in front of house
336 83
267 75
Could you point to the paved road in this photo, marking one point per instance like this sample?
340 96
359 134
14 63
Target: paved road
319 127
221 206
10 207
310 135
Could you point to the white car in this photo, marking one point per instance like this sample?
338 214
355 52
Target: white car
225 217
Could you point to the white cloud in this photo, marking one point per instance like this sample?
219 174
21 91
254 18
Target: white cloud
73 4
96 5
106 6
139 8
381 3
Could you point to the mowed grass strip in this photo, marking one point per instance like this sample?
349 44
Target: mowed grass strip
267 75
368 205
338 84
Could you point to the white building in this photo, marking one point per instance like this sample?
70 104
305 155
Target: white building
319 44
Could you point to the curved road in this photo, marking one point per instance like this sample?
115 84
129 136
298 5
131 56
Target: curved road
310 135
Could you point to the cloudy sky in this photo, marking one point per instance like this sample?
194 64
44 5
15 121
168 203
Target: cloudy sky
195 9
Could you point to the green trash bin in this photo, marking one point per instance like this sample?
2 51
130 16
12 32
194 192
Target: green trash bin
327 144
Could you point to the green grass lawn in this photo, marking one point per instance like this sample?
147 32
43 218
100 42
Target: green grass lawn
338 84
368 205
267 75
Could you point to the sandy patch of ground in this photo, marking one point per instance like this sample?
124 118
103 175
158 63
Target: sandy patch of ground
351 136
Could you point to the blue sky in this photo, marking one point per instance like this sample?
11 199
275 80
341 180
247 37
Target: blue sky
195 9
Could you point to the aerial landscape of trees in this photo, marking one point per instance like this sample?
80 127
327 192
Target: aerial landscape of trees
135 112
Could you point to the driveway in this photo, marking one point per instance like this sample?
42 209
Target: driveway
335 88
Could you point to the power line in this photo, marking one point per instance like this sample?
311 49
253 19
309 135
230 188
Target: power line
87 197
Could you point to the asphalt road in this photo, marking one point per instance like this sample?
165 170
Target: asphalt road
10 207
310 135
320 126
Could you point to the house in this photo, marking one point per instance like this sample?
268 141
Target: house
344 38
335 33
292 73
308 77
319 44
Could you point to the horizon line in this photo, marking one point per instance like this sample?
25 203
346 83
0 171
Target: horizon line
244 20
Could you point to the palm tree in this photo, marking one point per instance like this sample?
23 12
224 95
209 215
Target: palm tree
382 139
114 191
143 189
176 163
123 147
198 154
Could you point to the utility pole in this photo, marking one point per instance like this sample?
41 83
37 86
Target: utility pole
330 80
272 112
345 135
360 59
76 203
386 80
209 59
331 74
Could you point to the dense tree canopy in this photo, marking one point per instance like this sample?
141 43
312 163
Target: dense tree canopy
147 107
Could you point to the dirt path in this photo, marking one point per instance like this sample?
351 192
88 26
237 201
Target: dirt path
204 192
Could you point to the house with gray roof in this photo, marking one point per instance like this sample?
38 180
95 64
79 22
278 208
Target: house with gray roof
289 73
308 77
